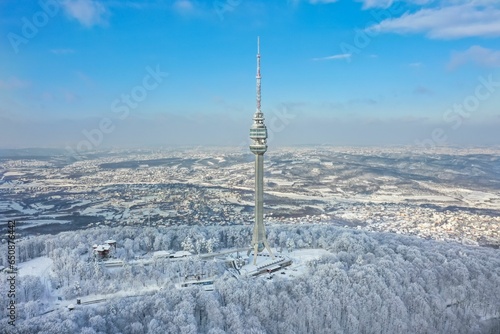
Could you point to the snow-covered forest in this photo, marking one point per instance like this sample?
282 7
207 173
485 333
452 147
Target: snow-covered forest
368 283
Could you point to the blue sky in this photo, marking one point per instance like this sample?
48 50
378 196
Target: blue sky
367 72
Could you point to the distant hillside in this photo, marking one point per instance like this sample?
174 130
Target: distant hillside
31 152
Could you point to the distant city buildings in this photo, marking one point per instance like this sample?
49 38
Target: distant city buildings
353 187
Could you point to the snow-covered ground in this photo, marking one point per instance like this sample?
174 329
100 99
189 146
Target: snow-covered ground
36 267
32 223
299 259
11 206
13 174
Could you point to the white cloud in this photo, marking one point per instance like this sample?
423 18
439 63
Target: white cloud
87 12
314 2
387 3
376 3
136 4
475 54
183 6
334 57
295 3
480 18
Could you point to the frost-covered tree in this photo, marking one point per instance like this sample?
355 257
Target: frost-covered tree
188 245
368 283
31 309
77 290
30 288
290 244
200 244
211 244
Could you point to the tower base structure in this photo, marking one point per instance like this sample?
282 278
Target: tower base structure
259 247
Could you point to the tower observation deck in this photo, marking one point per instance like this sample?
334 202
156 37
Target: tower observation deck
258 135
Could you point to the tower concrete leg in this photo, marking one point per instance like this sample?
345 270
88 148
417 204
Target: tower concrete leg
268 248
255 252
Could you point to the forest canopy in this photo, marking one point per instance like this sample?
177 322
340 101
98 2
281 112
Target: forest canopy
368 283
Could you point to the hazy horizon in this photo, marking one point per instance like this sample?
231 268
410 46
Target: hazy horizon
302 131
90 74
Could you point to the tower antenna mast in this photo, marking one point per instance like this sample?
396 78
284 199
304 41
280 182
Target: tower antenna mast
258 135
